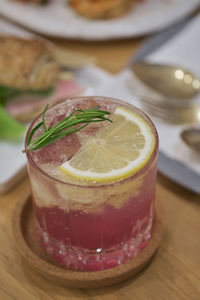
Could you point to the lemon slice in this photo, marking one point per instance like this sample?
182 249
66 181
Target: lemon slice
117 151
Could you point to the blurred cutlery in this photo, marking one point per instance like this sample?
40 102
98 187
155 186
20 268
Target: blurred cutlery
174 84
176 115
191 136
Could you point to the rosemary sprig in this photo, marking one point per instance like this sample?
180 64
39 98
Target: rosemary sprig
65 127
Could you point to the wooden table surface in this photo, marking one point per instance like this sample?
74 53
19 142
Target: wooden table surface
175 271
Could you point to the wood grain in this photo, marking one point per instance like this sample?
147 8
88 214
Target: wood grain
173 274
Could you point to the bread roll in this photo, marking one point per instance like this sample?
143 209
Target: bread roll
101 9
26 64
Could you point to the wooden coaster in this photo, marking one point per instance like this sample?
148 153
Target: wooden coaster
28 245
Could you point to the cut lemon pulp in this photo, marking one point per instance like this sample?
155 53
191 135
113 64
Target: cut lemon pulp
117 151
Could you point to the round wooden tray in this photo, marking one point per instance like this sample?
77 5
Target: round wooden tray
28 245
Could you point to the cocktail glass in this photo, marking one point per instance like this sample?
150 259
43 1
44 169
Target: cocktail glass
90 226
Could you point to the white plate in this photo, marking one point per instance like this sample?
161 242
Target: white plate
57 19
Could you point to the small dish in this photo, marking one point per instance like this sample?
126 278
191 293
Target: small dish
28 246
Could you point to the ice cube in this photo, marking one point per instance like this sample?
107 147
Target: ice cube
86 104
59 151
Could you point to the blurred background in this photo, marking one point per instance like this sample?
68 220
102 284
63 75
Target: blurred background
145 52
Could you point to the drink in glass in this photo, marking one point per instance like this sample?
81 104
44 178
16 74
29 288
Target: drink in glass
94 223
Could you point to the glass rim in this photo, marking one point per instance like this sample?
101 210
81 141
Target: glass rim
99 185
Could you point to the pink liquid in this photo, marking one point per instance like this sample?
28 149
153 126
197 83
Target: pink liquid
90 235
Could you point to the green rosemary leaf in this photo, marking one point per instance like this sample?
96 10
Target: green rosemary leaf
64 127
43 120
32 132
55 138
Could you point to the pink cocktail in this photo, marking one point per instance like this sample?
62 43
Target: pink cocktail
89 226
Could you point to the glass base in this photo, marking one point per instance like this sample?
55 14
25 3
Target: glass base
79 258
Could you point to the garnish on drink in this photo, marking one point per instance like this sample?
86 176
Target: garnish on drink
116 152
67 126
